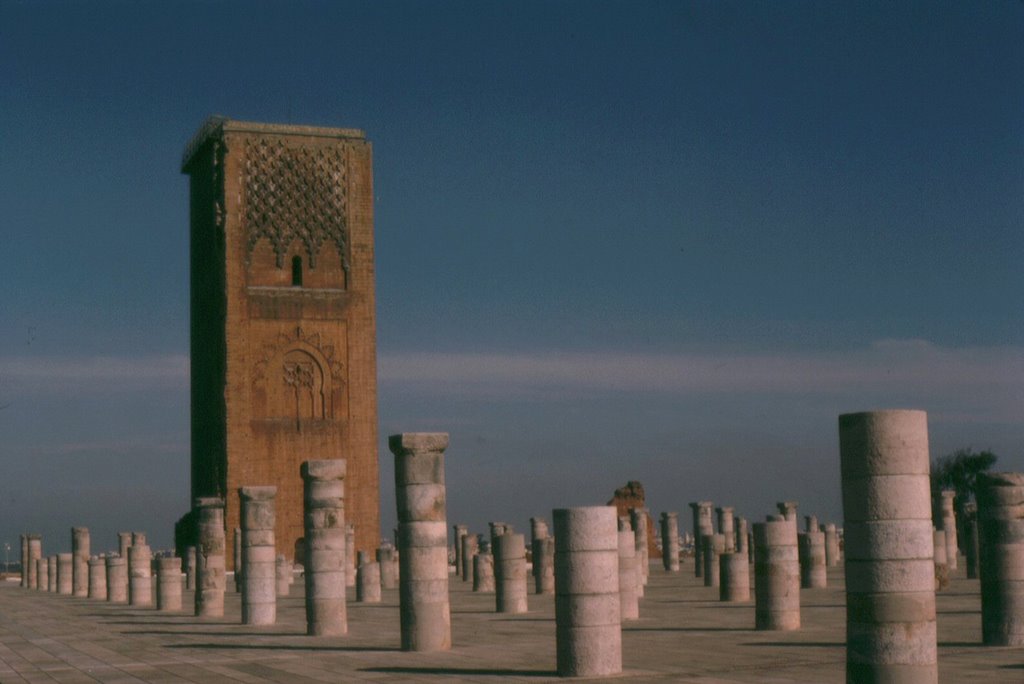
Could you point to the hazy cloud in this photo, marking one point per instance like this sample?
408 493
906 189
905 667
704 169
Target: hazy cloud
99 373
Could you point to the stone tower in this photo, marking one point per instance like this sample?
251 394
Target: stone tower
282 317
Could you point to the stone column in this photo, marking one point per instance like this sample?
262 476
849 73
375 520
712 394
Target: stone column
483 572
831 544
168 584
350 555
811 523
788 511
701 526
190 568
98 578
283 576
324 502
140 575
259 590
211 566
497 529
460 532
237 558
389 568
24 560
35 552
469 547
941 563
713 547
776 575
1001 532
42 574
948 516
670 541
544 566
890 574
742 545
629 601
588 625
638 519
811 546
971 547
367 579
65 564
138 538
80 561
124 541
734 577
726 527
117 579
423 540
510 574
51 574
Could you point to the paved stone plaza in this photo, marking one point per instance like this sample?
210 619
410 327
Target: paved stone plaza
684 634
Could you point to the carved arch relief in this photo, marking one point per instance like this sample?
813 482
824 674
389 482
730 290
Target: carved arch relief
297 380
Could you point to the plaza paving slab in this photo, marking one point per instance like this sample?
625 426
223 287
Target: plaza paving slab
684 635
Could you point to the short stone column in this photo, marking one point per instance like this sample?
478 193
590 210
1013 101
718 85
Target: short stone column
726 527
283 576
588 624
236 558
670 541
168 584
811 548
971 546
324 516
734 577
890 574
831 544
190 568
510 574
544 566
117 579
629 600
422 540
460 532
367 579
259 582
80 561
469 548
638 519
350 555
34 552
1001 529
211 560
742 539
98 578
51 574
788 510
702 526
138 538
389 566
124 542
713 547
140 575
776 575
65 565
948 516
483 572
42 574
941 562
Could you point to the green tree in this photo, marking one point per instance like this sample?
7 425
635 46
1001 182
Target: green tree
959 471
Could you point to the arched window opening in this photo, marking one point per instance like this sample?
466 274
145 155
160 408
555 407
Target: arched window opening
297 271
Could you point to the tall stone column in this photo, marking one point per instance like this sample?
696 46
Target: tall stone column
726 528
544 565
890 574
831 544
788 511
483 572
42 574
939 555
588 622
65 566
24 560
713 547
117 579
776 575
237 558
51 574
670 541
350 555
140 575
389 566
742 543
1001 530
211 561
948 516
124 541
138 538
538 533
98 578
190 568
35 552
734 577
629 601
423 540
497 529
259 581
811 523
811 547
460 532
971 546
80 561
638 519
324 501
702 526
168 584
510 574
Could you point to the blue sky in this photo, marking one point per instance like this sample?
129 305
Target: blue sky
668 242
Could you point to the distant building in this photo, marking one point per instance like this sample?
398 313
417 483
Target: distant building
282 317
